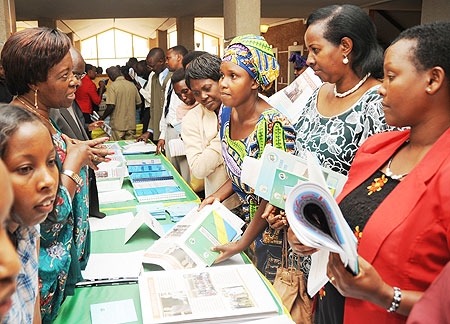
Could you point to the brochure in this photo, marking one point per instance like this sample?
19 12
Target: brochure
212 295
142 217
116 312
317 221
146 168
110 174
275 174
188 244
106 128
139 148
151 176
291 99
143 162
176 147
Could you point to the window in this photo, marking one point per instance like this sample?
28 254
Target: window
113 47
202 42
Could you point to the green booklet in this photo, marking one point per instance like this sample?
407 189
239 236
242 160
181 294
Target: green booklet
188 244
277 172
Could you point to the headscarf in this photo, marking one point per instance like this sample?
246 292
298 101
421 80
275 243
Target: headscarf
255 55
300 61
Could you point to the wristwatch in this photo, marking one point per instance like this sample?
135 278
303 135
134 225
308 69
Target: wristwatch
75 177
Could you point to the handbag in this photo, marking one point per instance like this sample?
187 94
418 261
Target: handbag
291 287
196 184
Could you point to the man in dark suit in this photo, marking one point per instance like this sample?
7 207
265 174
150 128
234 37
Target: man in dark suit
71 122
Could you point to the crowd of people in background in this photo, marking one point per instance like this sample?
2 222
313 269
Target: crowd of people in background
383 121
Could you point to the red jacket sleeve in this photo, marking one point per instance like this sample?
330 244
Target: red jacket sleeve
92 92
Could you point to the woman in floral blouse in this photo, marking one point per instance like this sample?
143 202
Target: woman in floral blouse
38 68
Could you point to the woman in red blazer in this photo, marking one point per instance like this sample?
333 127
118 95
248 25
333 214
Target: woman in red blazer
397 198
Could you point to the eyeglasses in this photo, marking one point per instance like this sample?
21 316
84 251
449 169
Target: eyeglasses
79 76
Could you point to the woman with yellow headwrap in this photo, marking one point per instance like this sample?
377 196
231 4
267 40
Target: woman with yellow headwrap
247 125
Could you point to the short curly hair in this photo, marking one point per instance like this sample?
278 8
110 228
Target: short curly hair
432 46
29 54
206 66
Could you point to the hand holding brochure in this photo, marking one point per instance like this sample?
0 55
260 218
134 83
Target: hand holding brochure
317 221
291 99
188 244
277 172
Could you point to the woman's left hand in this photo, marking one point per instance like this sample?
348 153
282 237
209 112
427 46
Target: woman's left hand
96 124
275 217
367 285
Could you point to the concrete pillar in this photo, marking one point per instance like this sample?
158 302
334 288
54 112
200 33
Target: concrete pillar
241 17
185 32
161 39
152 43
7 20
77 44
70 35
47 22
435 10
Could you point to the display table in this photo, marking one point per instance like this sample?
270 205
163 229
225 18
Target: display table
76 309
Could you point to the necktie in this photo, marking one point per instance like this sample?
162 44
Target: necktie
169 95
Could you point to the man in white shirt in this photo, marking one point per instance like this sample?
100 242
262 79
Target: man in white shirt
145 91
174 58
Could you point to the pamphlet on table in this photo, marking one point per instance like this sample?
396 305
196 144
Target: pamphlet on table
110 174
210 295
116 312
154 183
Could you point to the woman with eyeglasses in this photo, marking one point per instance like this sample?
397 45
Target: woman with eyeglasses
38 70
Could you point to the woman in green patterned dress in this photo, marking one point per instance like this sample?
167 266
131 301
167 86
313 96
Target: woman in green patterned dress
247 125
38 68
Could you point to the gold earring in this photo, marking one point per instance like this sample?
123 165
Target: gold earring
345 60
35 99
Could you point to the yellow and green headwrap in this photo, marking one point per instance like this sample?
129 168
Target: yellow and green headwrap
254 54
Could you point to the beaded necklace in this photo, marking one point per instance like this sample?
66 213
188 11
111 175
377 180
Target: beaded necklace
356 87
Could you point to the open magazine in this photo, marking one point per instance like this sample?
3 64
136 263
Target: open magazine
214 295
317 221
291 99
188 244
275 174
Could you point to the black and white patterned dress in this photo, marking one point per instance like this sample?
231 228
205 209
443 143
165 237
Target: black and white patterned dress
335 140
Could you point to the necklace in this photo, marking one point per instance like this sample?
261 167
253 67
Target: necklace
389 172
356 87
28 107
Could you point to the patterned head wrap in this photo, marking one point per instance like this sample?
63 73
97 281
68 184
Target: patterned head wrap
254 54
300 61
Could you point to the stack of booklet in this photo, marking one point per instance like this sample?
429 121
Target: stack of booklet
152 182
110 174
231 294
188 244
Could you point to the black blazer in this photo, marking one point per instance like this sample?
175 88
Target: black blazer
67 124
